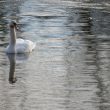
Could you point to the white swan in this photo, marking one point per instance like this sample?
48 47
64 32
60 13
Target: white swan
18 45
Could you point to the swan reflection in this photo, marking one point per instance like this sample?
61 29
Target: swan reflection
13 59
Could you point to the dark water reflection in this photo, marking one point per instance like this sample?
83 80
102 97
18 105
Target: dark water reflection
69 68
12 78
13 58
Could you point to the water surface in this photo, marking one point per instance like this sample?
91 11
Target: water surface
69 68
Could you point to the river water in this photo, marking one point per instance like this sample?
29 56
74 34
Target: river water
70 66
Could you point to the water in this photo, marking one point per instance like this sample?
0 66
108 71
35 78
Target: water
70 67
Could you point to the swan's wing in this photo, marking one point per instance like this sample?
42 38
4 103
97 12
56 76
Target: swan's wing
24 46
19 41
30 44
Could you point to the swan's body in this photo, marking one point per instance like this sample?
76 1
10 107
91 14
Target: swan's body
21 46
18 45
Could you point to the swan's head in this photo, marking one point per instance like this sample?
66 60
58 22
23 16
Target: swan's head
13 24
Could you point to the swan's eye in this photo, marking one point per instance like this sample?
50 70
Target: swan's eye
14 24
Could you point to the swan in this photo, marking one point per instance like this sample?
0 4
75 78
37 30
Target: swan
18 45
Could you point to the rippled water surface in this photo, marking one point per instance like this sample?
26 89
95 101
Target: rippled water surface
70 66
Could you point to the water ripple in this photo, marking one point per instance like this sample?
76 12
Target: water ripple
69 68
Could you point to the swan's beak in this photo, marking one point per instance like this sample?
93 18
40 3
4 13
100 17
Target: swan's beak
16 27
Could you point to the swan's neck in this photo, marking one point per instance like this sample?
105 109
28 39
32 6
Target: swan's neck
12 36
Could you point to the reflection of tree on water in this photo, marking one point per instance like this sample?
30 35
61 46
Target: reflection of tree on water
3 22
94 57
73 60
92 54
101 24
12 59
8 11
